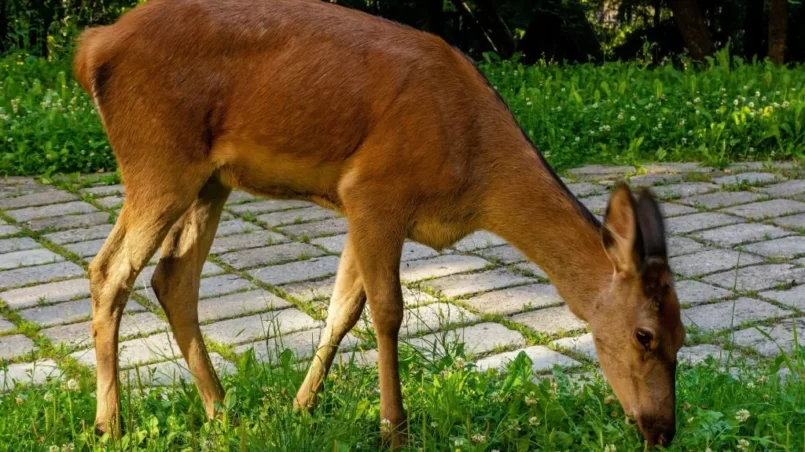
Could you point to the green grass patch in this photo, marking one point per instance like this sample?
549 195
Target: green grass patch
612 113
451 407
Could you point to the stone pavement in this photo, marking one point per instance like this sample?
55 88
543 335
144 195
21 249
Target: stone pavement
736 239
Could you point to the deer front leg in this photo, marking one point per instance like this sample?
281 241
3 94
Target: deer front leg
345 309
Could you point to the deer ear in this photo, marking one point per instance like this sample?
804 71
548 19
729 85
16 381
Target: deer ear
621 234
652 228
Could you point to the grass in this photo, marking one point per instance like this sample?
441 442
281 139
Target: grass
725 111
451 407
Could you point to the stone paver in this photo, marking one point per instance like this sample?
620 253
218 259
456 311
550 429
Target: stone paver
711 261
780 337
794 297
239 304
295 216
296 271
170 373
270 255
730 314
698 221
440 266
37 199
735 234
478 240
38 274
266 205
52 210
70 221
767 209
722 199
245 241
542 359
37 372
477 339
466 284
18 244
788 188
46 293
711 229
582 345
751 178
684 189
505 254
695 292
254 327
15 346
6 326
68 312
159 347
317 228
698 353
514 300
79 335
28 258
758 277
433 317
678 246
791 221
788 247
550 320
302 343
100 231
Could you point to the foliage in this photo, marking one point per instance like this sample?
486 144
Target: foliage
47 122
614 113
626 113
451 407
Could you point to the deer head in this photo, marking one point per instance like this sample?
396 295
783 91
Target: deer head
637 326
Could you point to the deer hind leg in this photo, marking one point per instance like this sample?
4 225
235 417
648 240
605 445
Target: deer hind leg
150 209
176 284
345 309
377 238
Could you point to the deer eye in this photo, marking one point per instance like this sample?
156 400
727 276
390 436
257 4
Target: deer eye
644 338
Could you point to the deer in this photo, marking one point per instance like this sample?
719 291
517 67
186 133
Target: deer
391 127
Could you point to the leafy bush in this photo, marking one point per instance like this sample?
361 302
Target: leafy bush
613 113
625 113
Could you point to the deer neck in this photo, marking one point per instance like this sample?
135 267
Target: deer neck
529 207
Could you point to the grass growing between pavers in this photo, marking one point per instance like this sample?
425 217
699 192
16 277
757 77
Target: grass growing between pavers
451 407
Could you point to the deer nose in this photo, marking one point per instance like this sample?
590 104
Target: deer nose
664 439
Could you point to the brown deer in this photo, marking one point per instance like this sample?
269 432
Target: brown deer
388 125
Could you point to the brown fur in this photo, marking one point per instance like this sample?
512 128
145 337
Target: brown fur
386 124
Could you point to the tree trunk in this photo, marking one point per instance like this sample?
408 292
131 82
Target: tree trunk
778 22
490 24
753 29
657 13
3 24
692 27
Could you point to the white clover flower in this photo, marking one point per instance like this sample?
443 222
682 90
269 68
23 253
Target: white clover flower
697 111
48 397
19 400
459 362
610 448
53 448
533 421
73 385
688 103
633 118
68 448
696 100
478 438
742 415
750 385
559 108
735 102
684 140
763 98
531 399
578 139
785 104
751 105
743 444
